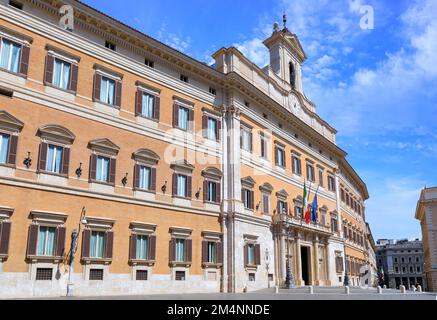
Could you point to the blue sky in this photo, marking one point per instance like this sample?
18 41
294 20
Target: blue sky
377 87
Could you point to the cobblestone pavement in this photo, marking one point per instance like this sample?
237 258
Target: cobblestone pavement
269 294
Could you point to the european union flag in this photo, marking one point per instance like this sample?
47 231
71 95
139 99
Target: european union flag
314 210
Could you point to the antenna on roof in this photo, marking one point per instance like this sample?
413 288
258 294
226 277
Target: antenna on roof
284 19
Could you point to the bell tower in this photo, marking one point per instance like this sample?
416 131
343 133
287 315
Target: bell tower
286 55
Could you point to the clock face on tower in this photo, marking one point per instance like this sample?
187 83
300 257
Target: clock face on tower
294 104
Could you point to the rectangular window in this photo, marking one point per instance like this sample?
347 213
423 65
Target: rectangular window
212 191
145 178
54 159
44 274
252 277
141 275
110 45
310 173
212 129
266 203
148 107
182 186
97 244
107 91
142 247
246 139
149 63
212 252
331 183
102 171
183 114
263 152
321 182
343 198
296 166
280 155
96 274
61 74
4 147
10 55
184 78
251 260
247 199
213 91
334 226
180 250
282 207
46 241
180 275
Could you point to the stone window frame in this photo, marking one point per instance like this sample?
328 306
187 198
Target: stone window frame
282 196
296 170
334 187
11 126
147 229
5 216
142 88
248 184
18 38
59 136
217 237
310 164
212 174
251 240
117 77
249 129
266 192
105 148
149 159
186 234
298 203
182 168
190 106
267 139
217 116
321 175
280 146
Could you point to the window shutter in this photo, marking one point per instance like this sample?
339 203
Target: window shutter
109 243
112 169
157 108
118 89
86 244
205 126
218 193
74 77
243 196
299 166
218 130
32 240
251 141
60 241
139 102
65 161
48 74
137 176
189 244
265 204
133 247
252 194
152 248
12 154
24 63
189 187
286 207
97 87
276 156
278 207
175 115
93 167
153 179
258 254
175 184
191 120
246 255
5 232
219 253
241 138
172 250
42 160
205 191
204 251
263 150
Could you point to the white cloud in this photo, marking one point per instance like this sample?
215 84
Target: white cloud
255 50
173 40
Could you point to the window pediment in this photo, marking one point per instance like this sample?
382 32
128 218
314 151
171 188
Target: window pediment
56 133
105 146
62 53
48 217
267 188
108 72
147 156
6 213
9 123
20 37
248 182
182 165
282 195
102 223
212 173
298 201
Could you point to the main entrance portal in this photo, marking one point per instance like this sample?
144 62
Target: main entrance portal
306 265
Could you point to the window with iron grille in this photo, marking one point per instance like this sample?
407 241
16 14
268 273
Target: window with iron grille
180 275
252 277
44 274
96 274
142 275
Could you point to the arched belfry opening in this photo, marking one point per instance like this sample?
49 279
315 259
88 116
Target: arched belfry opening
292 75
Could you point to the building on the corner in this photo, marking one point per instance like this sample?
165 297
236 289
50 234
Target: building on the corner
426 213
402 262
176 176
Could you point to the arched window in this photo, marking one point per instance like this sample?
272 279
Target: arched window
292 75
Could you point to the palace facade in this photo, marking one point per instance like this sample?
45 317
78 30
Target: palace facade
127 167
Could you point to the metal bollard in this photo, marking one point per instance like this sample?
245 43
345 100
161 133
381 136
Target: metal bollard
347 290
419 288
402 288
413 288
385 286
276 289
311 290
379 290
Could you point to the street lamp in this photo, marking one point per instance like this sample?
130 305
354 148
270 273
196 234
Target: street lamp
346 276
74 238
289 280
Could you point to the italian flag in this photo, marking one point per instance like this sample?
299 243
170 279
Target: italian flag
306 205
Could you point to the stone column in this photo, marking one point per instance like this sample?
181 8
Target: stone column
328 263
282 257
316 261
298 262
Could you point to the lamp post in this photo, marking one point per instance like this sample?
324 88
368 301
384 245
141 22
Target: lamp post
267 259
74 238
289 280
346 275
